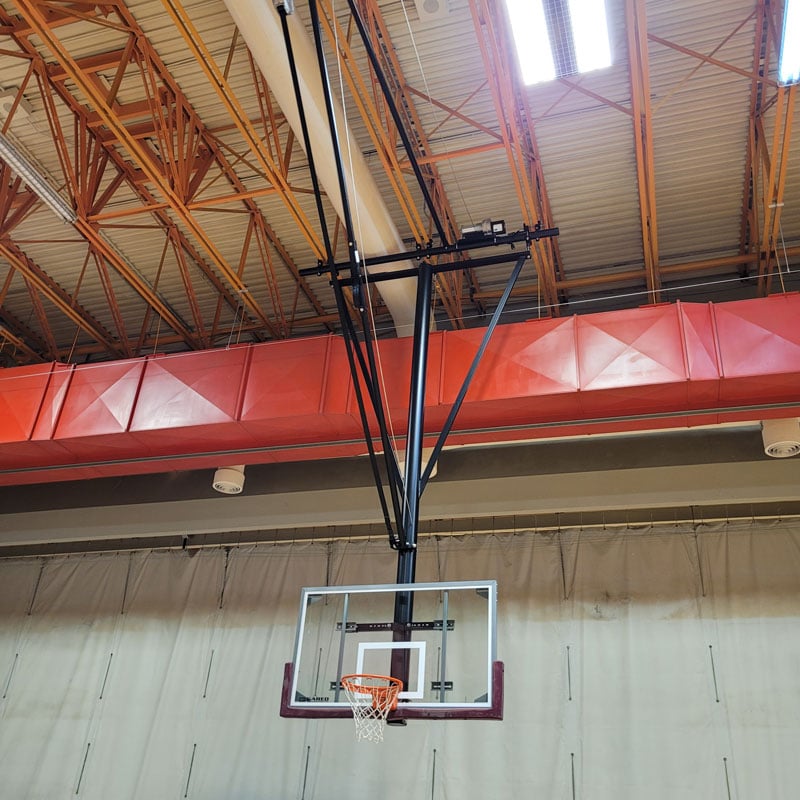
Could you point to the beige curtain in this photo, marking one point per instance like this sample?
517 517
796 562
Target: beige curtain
639 664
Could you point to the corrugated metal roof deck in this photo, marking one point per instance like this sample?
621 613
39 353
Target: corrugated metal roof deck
583 129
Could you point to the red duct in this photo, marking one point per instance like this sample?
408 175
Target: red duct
654 367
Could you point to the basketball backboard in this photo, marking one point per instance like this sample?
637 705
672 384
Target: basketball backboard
446 656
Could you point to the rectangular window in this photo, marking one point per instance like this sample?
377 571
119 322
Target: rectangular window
789 66
557 38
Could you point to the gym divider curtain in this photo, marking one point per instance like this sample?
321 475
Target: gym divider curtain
655 663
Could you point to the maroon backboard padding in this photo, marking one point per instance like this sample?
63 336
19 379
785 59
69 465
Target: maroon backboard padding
404 711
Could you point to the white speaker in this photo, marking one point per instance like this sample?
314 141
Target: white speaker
432 9
229 480
781 437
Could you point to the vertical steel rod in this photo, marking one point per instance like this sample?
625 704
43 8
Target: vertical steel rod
407 551
208 675
443 671
569 676
713 672
105 677
416 420
340 663
305 772
191 767
36 588
572 771
83 767
727 777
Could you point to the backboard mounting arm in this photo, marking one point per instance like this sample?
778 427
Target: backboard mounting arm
405 490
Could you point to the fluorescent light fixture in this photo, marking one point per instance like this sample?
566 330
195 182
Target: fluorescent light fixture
36 182
789 62
558 38
590 34
533 43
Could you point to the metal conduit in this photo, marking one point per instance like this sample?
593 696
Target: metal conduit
260 26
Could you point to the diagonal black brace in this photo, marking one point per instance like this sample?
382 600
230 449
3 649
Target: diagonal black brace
458 402
354 353
398 122
406 490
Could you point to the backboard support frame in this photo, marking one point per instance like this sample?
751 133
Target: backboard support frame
351 619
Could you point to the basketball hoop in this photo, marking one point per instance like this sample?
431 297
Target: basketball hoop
371 697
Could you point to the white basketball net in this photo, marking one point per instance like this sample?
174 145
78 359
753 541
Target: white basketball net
371 697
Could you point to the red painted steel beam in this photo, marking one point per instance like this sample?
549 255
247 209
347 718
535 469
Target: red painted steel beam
663 366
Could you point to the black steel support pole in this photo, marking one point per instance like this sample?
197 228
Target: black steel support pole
347 218
354 353
406 567
359 299
352 350
287 38
407 552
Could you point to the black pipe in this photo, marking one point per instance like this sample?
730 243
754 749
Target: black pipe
287 38
387 95
351 343
406 567
412 272
460 246
407 554
355 283
448 425
369 373
352 249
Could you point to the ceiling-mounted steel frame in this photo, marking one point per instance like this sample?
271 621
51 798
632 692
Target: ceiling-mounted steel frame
451 287
405 490
92 221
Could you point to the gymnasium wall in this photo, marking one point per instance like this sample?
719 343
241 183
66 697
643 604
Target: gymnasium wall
653 663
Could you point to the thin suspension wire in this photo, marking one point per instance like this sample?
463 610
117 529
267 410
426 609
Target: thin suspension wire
365 282
783 246
158 333
785 256
234 321
588 301
443 140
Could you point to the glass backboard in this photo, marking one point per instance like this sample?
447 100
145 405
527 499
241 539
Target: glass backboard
445 655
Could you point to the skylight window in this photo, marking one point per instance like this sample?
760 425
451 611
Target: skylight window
557 38
789 67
